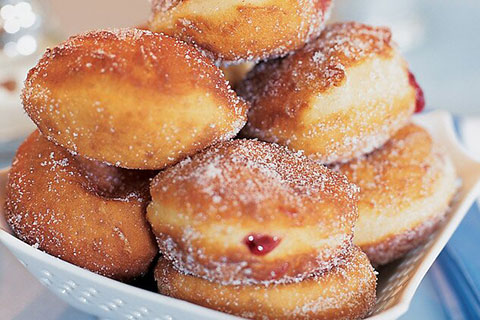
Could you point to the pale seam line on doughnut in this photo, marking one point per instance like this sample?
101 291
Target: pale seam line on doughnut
328 259
359 102
439 202
327 247
386 77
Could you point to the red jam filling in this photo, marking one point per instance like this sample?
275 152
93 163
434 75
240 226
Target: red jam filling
261 244
420 105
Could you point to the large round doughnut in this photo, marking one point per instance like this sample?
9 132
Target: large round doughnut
345 292
246 211
341 96
405 190
94 219
239 30
132 98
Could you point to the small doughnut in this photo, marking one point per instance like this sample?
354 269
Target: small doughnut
131 98
345 292
405 190
339 97
94 219
246 211
241 30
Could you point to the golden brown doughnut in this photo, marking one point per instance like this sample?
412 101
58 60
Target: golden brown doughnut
236 30
132 98
246 211
405 190
94 219
345 292
341 96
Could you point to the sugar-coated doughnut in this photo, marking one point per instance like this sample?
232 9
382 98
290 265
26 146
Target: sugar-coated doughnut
341 96
131 98
246 211
405 190
345 292
237 30
83 212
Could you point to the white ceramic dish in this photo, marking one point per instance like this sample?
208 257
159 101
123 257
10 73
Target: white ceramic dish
107 298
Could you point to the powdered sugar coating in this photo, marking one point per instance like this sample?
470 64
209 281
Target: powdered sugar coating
203 207
339 97
322 63
217 173
235 30
344 292
165 85
405 191
94 222
396 246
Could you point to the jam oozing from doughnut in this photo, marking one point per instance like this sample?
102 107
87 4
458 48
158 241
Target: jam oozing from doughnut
261 244
420 105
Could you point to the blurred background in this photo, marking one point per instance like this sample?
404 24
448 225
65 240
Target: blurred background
440 39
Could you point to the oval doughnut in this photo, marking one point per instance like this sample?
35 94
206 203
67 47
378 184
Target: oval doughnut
345 292
239 30
132 98
246 211
337 98
405 190
94 219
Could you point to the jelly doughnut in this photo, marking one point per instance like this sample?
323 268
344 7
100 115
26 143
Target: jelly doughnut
344 292
94 219
246 211
341 96
131 98
405 190
239 30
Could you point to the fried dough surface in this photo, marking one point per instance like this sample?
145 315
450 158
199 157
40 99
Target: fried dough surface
94 219
339 97
131 98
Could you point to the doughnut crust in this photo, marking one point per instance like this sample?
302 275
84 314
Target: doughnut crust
345 292
341 96
405 190
132 98
239 30
94 219
246 211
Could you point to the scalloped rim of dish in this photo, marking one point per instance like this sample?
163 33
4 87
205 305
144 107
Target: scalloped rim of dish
438 123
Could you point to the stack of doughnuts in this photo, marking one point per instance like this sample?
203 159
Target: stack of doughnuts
284 239
346 100
112 108
268 202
